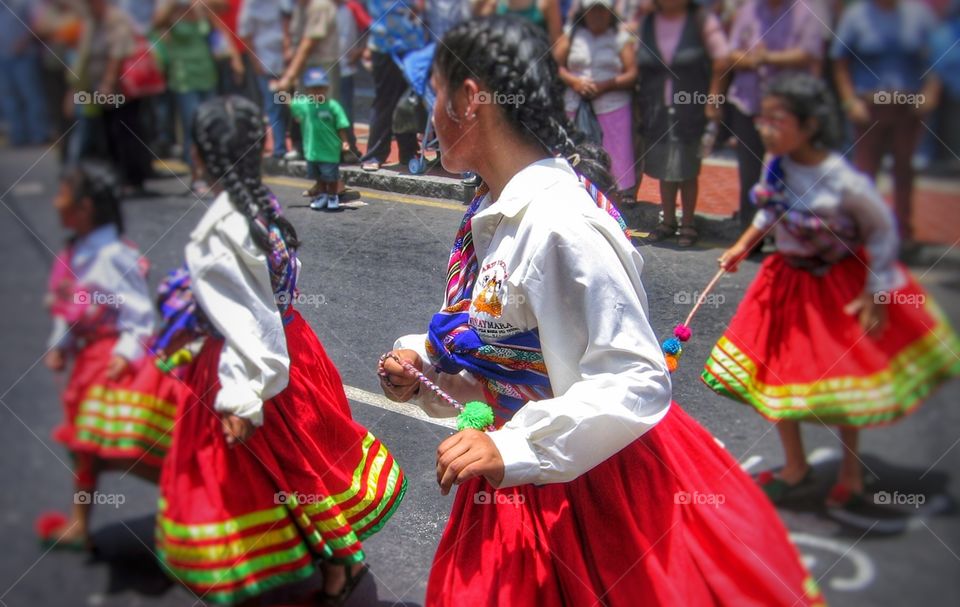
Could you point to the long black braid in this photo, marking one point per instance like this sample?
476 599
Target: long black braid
229 132
512 58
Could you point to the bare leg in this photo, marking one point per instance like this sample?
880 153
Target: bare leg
77 528
796 465
851 469
688 198
668 201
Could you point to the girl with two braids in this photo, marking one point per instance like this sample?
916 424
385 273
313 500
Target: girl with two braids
267 473
592 487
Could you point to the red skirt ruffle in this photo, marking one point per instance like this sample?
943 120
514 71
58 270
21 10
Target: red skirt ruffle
669 520
89 370
125 420
309 483
792 352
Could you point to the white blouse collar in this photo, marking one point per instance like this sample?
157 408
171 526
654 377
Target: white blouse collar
527 183
220 208
89 244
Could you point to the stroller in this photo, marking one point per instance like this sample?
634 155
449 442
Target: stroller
414 112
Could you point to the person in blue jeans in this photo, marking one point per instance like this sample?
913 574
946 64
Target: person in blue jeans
21 91
261 28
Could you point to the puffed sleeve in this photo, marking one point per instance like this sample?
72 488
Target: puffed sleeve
231 282
135 320
764 219
59 334
591 314
877 227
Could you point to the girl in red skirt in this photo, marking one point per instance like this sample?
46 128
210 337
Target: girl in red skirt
119 408
591 488
268 472
833 329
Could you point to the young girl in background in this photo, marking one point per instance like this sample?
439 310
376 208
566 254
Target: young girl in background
833 329
119 409
592 488
268 472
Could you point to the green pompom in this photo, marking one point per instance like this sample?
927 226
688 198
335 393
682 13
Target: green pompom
476 415
165 366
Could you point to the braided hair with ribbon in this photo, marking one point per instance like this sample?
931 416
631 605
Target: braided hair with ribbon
229 134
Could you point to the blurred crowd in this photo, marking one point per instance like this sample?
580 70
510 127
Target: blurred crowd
659 83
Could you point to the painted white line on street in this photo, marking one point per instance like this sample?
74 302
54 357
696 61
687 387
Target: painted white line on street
864 572
822 455
377 400
750 462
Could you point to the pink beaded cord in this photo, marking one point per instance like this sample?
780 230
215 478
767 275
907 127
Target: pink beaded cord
672 348
474 414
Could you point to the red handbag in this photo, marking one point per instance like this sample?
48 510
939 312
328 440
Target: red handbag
140 73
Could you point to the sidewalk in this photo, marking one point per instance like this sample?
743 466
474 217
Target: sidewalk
936 200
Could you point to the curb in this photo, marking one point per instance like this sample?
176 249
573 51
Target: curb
640 216
386 179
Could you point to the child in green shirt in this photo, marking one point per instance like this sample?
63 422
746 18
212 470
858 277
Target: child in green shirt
324 125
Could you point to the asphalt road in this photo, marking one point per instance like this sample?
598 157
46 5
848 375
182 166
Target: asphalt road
372 273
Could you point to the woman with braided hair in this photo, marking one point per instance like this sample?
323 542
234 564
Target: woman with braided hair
588 487
267 472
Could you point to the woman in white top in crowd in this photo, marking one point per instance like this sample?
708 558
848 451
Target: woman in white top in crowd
593 488
598 64
266 454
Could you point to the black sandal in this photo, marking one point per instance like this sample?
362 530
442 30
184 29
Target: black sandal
353 579
779 490
662 232
687 237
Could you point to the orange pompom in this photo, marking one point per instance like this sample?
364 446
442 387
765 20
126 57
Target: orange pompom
672 362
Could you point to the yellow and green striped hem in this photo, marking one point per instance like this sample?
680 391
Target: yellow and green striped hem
860 401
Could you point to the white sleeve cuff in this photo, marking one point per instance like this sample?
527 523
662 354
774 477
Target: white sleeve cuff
520 463
242 403
129 347
886 281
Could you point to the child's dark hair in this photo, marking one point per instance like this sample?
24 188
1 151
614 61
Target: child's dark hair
229 132
511 56
807 97
99 183
577 19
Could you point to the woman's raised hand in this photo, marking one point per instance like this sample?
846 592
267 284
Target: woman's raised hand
396 382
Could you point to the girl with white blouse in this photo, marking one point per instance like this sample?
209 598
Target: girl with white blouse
597 62
115 416
591 486
266 456
833 330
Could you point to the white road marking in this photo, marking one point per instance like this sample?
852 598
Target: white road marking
750 462
821 455
28 188
378 400
864 571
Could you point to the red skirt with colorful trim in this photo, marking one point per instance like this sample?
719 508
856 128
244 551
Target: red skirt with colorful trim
311 482
130 419
669 520
792 353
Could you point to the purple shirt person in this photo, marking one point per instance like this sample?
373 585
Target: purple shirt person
772 36
768 37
